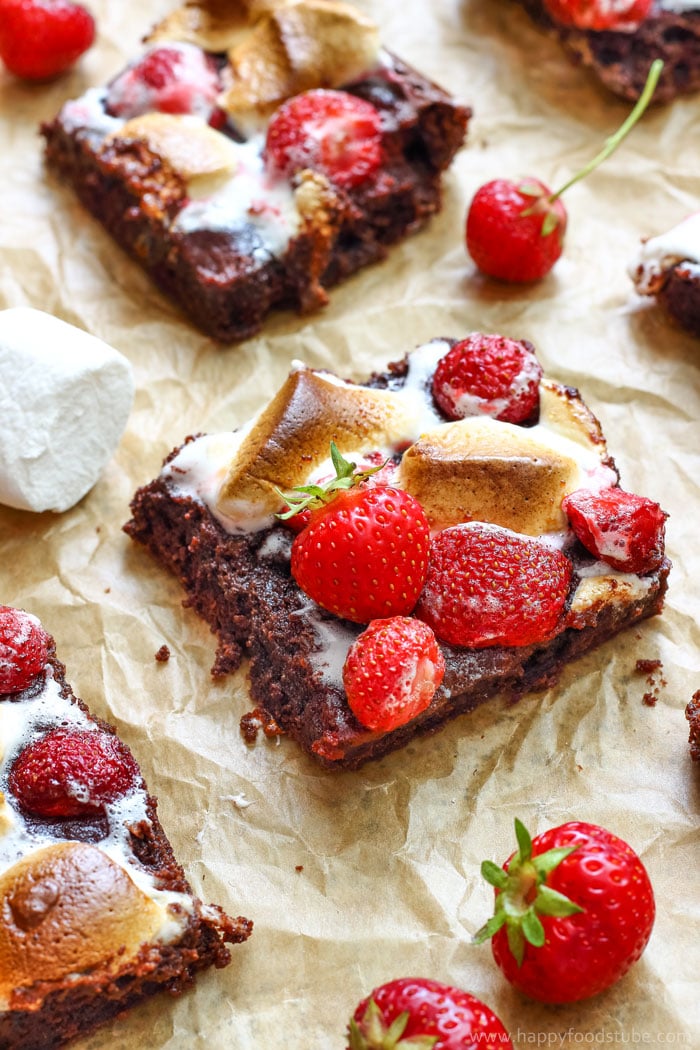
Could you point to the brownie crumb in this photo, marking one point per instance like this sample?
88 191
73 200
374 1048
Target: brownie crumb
299 867
650 668
163 654
253 721
650 699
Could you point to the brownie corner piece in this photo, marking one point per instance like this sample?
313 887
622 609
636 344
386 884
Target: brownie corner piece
189 190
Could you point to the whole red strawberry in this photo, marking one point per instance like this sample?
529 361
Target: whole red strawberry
622 15
489 586
574 910
415 1012
488 375
364 553
23 649
392 671
72 773
179 78
41 38
332 132
515 230
621 528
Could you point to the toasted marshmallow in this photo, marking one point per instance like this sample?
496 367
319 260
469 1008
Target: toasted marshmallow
594 593
297 46
658 255
291 437
214 25
191 147
480 469
65 397
68 908
7 818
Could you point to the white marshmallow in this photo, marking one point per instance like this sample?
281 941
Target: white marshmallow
65 397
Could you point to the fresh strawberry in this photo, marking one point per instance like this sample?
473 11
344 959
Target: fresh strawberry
515 230
574 910
419 1014
174 78
41 38
364 553
72 773
392 671
621 15
332 132
488 375
620 528
489 586
23 649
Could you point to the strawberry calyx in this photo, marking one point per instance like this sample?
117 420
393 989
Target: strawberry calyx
522 895
542 203
372 1032
310 497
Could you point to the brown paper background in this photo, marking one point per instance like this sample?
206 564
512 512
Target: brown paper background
389 856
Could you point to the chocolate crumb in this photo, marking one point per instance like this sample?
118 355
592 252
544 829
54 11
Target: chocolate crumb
692 713
163 654
650 699
648 666
299 867
253 721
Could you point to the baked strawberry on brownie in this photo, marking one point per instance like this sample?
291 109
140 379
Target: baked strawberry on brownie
96 914
257 153
391 554
617 40
667 268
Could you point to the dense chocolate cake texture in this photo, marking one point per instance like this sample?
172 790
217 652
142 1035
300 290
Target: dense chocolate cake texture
210 519
184 180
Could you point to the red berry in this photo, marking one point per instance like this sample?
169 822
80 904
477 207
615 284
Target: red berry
41 38
364 554
178 78
23 649
392 671
620 528
72 773
455 1019
514 232
488 375
330 131
624 15
489 586
574 910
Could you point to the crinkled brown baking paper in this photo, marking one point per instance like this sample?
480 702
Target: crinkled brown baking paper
356 878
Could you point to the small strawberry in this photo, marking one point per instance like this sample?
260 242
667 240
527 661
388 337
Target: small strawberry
364 553
332 132
489 586
175 78
620 528
41 38
515 230
574 910
23 649
392 671
620 15
488 375
420 1014
72 773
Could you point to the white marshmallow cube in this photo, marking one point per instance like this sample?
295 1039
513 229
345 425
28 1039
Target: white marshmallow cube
65 397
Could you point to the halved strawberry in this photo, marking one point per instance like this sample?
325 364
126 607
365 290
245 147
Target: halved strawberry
489 586
72 773
23 649
624 15
332 132
488 375
392 671
625 530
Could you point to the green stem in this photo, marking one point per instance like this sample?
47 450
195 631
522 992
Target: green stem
614 141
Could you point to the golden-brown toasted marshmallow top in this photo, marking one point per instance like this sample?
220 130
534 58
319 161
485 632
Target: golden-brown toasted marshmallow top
292 437
67 908
191 147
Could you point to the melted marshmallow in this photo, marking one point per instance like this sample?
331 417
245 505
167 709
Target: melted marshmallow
659 254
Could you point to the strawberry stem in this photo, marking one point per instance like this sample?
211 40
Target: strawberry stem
614 141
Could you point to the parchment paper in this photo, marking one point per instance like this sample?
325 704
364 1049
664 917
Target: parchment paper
353 879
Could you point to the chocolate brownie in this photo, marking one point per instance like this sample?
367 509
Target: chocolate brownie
692 713
621 59
668 269
97 914
186 184
210 519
